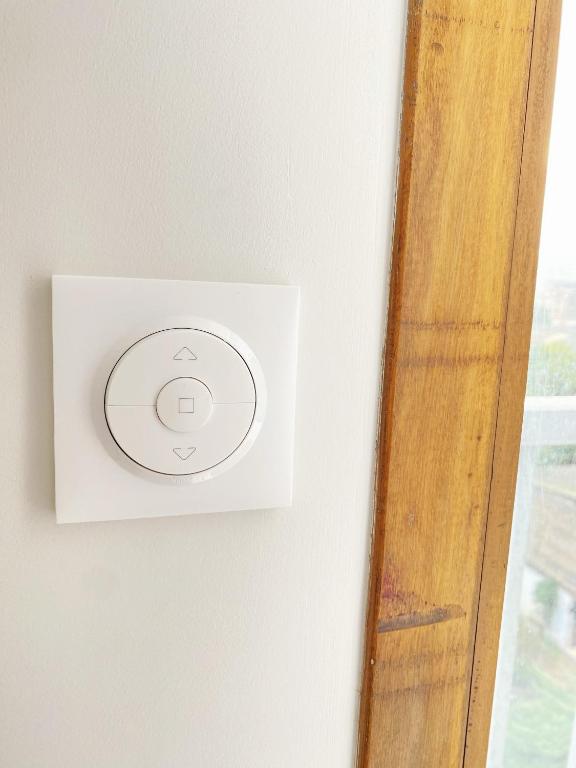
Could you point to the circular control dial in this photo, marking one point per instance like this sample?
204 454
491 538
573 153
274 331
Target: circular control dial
180 401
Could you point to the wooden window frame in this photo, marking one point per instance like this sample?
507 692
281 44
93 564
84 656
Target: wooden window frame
477 102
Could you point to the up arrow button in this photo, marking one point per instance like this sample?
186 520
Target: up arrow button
185 354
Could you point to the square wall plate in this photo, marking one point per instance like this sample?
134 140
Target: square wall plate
172 397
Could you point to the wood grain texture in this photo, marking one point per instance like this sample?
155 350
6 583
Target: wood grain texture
464 108
513 376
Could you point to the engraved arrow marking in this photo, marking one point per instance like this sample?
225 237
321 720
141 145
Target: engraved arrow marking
183 453
185 354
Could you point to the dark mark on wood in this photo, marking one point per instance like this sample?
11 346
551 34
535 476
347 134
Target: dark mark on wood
418 688
424 659
438 361
421 618
451 20
453 325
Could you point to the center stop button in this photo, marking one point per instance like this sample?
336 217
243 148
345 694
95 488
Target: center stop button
184 404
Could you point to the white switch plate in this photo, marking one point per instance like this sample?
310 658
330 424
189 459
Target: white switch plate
95 320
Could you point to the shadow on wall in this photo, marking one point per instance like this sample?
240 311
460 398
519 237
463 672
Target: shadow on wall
38 417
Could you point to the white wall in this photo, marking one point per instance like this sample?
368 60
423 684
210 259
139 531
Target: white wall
249 140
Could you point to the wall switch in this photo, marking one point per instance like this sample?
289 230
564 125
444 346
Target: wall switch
172 397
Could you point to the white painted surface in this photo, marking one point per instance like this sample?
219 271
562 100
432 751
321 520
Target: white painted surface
248 140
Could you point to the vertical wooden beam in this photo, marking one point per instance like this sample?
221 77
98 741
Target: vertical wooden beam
464 110
513 376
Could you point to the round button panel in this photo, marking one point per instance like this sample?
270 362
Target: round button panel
180 401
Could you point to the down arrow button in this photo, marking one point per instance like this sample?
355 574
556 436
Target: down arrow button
183 453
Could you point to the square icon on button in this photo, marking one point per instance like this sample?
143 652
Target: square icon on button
186 405
207 425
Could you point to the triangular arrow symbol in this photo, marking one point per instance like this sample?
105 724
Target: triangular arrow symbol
183 453
185 354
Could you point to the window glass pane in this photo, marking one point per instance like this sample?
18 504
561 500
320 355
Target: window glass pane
533 721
